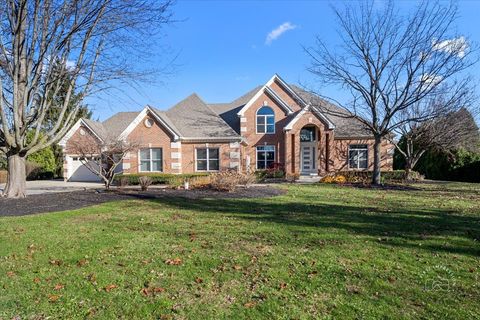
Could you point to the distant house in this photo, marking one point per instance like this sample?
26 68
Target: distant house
276 124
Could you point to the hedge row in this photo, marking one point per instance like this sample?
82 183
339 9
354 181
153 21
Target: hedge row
386 176
158 178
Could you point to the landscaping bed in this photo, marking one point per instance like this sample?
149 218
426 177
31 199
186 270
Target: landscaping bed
52 202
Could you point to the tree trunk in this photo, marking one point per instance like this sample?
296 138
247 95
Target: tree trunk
408 171
376 178
16 181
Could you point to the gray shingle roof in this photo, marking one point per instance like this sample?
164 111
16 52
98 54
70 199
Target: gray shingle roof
97 128
194 119
345 126
117 123
228 111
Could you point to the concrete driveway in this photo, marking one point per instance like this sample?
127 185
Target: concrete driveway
52 186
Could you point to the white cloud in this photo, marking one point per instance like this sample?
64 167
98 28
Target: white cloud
278 31
430 80
457 46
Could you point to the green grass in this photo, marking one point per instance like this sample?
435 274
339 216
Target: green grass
319 251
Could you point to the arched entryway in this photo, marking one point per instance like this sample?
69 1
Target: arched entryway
309 150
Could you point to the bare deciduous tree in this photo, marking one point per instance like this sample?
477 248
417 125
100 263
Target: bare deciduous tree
103 158
391 63
88 43
456 129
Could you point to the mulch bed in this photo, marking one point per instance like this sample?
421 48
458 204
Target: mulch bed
53 202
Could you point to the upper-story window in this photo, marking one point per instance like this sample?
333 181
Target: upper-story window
265 120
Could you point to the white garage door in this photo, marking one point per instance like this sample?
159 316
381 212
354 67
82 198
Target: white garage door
81 173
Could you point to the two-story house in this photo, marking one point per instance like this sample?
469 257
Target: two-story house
276 124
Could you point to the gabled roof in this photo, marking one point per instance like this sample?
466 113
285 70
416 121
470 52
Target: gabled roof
94 126
164 121
195 121
315 111
117 123
228 111
345 126
266 88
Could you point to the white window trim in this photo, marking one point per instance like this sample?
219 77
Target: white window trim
358 163
265 117
151 166
256 156
207 159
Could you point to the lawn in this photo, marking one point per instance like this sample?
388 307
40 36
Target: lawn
319 251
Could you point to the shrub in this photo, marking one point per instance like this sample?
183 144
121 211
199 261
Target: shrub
145 182
158 178
225 181
247 179
386 176
45 164
200 182
276 171
123 182
292 177
336 178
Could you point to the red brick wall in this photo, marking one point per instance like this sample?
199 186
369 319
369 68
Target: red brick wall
339 154
225 149
290 100
253 139
154 137
78 139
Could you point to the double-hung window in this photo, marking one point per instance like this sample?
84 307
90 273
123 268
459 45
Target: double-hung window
358 156
208 159
265 120
151 160
265 157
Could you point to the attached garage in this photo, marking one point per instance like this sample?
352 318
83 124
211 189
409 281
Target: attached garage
77 171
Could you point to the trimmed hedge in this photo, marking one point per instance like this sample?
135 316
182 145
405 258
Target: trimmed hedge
158 178
386 176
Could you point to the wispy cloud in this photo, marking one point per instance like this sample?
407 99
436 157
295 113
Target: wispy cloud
457 46
278 31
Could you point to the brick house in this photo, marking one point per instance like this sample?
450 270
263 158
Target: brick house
274 124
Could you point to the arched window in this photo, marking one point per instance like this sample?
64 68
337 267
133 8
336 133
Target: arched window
265 120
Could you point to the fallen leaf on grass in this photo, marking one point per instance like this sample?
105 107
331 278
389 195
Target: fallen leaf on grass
53 297
36 280
56 262
283 285
237 267
174 262
149 290
353 289
198 280
58 286
250 304
82 262
10 274
110 287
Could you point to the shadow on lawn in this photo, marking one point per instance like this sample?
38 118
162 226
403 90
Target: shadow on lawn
397 227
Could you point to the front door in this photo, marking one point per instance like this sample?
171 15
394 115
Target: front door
308 165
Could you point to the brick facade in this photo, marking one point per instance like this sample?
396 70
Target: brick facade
179 155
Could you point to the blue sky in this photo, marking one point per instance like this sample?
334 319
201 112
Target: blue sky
223 50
